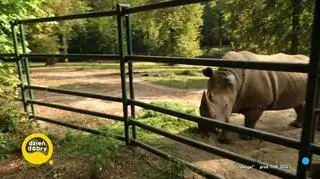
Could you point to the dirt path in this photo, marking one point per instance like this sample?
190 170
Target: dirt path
105 83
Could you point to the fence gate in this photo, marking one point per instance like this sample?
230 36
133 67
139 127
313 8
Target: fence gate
305 146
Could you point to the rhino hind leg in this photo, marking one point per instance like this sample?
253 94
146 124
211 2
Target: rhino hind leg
300 115
251 118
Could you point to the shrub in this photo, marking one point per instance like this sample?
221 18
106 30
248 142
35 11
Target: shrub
96 148
8 83
12 128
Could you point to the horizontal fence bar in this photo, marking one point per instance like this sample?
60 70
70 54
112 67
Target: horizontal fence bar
7 55
215 150
67 17
315 148
161 5
73 126
9 59
170 157
277 139
75 93
72 56
272 66
77 110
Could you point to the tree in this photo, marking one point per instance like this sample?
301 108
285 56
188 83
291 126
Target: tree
13 10
177 35
42 39
268 26
296 13
64 29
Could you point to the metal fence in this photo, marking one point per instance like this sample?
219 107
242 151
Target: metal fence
305 145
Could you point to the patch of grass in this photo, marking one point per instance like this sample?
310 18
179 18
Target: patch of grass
174 170
14 127
181 82
10 142
159 120
9 117
99 150
82 86
138 66
6 146
190 73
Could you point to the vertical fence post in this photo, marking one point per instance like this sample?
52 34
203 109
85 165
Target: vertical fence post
307 135
130 68
26 65
18 61
123 73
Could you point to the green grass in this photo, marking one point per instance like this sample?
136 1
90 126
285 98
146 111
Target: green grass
174 170
82 86
159 120
101 151
97 149
138 66
183 79
181 82
178 76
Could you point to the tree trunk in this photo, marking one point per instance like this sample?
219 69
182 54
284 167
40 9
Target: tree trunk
220 23
65 46
296 13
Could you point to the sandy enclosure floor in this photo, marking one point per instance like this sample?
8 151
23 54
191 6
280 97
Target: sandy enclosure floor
108 83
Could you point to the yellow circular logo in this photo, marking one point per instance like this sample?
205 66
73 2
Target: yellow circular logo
37 149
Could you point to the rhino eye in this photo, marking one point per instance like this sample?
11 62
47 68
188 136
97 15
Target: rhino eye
225 105
213 99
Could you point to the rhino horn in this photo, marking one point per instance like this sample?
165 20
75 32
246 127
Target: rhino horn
205 106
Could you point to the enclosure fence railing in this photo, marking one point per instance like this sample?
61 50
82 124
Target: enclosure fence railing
305 145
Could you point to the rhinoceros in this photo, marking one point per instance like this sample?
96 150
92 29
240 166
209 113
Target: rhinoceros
250 92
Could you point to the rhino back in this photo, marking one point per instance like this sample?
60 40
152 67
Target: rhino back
270 90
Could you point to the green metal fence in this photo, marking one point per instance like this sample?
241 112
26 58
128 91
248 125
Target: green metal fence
305 145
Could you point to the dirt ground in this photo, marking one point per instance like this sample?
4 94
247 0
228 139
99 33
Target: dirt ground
137 161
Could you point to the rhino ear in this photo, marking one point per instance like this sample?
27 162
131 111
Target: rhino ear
208 72
230 79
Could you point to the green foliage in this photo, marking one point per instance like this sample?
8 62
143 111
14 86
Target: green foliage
6 145
9 113
265 26
64 30
217 52
190 73
19 128
13 125
8 83
178 35
12 10
42 39
181 82
165 122
96 148
159 120
175 170
9 117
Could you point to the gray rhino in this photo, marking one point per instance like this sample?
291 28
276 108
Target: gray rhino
250 92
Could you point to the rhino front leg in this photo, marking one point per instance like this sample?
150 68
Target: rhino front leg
300 115
251 117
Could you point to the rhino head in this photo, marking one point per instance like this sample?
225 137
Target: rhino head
218 102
